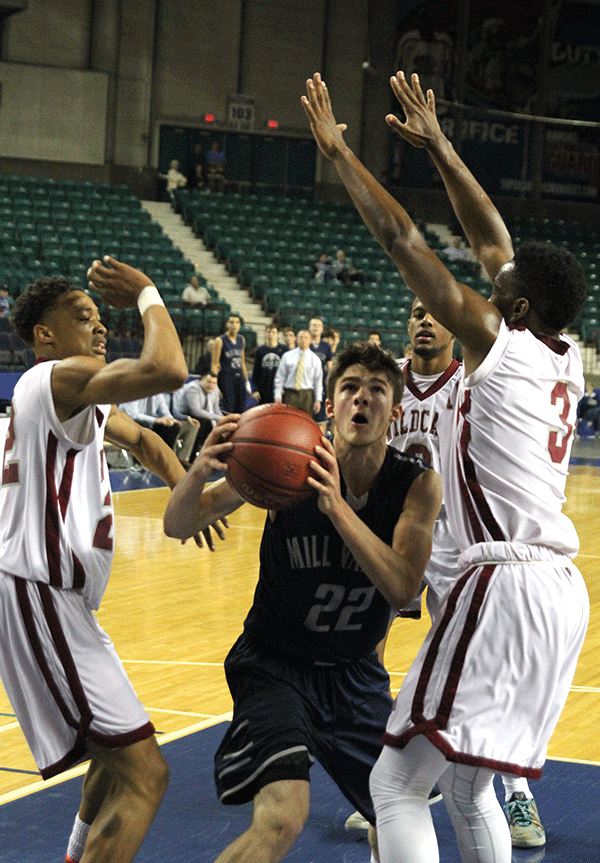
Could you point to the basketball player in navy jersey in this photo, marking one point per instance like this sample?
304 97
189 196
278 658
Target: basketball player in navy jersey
304 675
229 364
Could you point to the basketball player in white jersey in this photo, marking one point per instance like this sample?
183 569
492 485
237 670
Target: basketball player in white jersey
486 689
62 675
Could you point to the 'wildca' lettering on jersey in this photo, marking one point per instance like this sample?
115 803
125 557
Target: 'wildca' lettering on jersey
419 421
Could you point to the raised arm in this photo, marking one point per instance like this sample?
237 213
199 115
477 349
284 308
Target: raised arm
464 312
482 223
78 381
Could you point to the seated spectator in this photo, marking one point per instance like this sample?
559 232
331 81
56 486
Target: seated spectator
195 295
154 413
323 269
174 178
5 302
344 269
374 337
588 409
198 399
215 167
196 175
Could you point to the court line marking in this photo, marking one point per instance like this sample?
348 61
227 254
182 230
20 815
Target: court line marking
80 769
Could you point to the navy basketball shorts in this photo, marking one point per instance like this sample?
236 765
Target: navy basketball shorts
289 711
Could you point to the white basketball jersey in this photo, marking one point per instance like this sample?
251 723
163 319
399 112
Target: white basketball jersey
56 514
505 470
427 410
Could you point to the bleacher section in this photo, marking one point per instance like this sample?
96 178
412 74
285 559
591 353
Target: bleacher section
271 243
57 227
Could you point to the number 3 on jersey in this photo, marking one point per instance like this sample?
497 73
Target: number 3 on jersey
559 448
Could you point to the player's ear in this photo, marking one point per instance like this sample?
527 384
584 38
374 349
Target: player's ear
329 409
519 310
396 413
42 334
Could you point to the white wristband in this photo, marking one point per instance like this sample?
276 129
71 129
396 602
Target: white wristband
149 296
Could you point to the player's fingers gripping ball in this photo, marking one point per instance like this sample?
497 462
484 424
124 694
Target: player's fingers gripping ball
269 464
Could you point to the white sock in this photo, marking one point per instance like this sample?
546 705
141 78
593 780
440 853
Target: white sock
77 839
513 784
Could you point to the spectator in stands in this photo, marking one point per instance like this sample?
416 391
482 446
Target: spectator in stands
195 295
5 302
198 399
299 378
289 337
323 269
333 337
323 350
266 363
229 364
215 167
344 269
588 409
174 178
154 412
196 177
374 337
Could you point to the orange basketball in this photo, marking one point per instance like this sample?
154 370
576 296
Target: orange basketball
269 462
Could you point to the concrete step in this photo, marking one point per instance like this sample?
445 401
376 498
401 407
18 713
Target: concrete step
205 263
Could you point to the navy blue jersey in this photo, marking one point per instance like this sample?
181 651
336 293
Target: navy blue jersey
231 355
312 599
266 363
324 353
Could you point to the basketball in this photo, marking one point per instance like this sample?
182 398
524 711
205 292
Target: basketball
269 463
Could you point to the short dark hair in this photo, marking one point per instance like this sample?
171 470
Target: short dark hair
37 298
553 281
374 359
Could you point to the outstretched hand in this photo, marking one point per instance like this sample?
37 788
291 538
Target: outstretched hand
118 284
218 527
421 126
317 104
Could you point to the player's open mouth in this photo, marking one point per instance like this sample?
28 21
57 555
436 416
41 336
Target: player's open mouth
99 348
359 419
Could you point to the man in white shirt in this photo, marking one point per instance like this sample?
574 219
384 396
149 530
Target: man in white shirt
195 294
299 378
198 399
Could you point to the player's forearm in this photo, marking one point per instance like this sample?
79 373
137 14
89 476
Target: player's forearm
393 228
394 576
161 356
473 207
154 454
191 508
387 220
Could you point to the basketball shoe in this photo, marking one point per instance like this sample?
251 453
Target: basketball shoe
526 829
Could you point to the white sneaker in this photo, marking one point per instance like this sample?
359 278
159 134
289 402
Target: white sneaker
357 822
